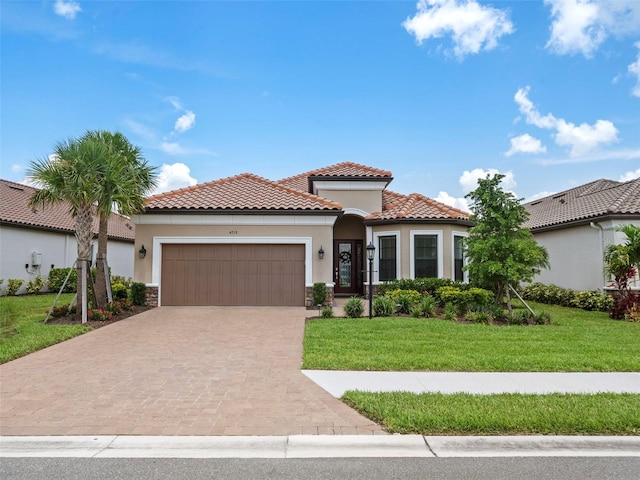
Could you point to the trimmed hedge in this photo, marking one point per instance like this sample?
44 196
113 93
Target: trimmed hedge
554 295
57 276
422 285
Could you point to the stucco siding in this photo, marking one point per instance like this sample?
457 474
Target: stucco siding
366 200
57 249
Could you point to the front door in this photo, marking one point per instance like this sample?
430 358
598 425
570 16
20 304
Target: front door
347 267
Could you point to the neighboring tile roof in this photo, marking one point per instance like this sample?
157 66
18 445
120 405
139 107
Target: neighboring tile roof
418 207
600 198
347 170
241 192
14 209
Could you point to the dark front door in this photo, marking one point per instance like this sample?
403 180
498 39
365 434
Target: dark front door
347 267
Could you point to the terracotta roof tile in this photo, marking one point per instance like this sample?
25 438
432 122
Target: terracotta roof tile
390 198
594 199
14 209
345 169
241 192
418 207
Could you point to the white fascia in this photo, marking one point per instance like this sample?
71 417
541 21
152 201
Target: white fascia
232 220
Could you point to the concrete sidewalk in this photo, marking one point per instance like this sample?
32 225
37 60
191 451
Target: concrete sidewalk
317 446
338 382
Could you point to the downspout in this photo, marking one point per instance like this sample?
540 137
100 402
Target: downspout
598 227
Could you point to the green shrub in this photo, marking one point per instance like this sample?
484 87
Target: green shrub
480 296
353 308
13 285
319 293
62 310
496 312
478 316
518 317
592 300
428 306
326 312
542 318
119 291
34 286
138 293
422 285
450 311
416 311
554 295
1 283
56 279
99 315
120 279
405 300
383 307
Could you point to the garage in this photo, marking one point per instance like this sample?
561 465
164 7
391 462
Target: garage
233 274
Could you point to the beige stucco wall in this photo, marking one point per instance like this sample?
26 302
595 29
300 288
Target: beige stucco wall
368 201
321 235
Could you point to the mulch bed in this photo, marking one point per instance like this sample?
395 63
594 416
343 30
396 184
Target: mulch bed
72 320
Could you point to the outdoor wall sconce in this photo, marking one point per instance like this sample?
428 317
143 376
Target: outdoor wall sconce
321 253
142 252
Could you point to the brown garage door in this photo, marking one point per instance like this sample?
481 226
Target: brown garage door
232 275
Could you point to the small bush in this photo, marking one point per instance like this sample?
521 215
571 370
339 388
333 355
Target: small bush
554 295
119 291
138 293
326 312
1 283
405 300
62 310
592 300
428 306
542 318
518 317
416 311
496 312
114 308
450 311
56 279
120 279
383 307
34 286
13 285
478 316
422 285
353 308
99 315
319 293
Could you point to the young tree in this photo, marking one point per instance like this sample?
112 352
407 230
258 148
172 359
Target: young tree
622 263
69 176
125 178
500 251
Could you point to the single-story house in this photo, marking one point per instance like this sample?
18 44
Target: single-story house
246 240
575 226
32 242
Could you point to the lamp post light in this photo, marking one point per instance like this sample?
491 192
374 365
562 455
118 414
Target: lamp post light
371 251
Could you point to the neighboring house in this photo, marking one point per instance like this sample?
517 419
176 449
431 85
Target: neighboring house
246 240
33 241
575 226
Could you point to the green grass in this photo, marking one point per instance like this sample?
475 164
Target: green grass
578 341
501 414
21 327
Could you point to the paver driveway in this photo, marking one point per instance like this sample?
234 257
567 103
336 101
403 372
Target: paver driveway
175 371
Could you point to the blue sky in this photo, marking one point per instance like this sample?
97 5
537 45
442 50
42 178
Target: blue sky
439 92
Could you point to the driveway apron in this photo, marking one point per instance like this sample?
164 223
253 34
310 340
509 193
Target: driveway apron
176 371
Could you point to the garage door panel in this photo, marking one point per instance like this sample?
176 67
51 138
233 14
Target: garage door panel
232 274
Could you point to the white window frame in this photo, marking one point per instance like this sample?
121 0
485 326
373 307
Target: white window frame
376 260
412 254
465 261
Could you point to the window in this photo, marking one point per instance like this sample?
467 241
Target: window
425 256
387 258
458 258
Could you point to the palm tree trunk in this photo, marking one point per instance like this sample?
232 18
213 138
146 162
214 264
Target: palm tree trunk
84 234
101 283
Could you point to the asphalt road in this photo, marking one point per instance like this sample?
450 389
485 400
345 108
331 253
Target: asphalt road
538 468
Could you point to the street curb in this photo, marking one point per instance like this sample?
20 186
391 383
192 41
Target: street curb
316 446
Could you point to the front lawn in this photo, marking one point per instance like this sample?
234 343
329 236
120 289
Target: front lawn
578 341
21 327
500 414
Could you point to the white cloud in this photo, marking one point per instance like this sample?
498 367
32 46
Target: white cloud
630 175
172 148
525 144
582 138
141 130
634 69
600 156
580 26
16 168
469 179
185 122
473 27
175 101
460 203
174 176
68 9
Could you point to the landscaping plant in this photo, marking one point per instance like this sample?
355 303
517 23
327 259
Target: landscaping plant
13 285
353 308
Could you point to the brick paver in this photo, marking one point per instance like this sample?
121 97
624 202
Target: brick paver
175 371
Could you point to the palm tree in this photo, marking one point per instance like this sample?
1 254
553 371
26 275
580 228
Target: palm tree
125 178
69 176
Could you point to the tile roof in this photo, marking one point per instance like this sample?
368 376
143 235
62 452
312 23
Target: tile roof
600 198
14 209
417 207
348 170
241 192
390 198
